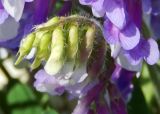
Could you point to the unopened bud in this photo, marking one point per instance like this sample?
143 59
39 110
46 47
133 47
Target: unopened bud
25 47
44 45
48 23
56 59
36 63
72 42
52 21
38 38
90 35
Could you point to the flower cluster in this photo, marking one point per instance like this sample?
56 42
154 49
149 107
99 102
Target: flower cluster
122 27
74 51
69 49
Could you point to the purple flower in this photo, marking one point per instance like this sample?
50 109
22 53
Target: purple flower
151 6
146 49
14 8
73 81
117 103
114 10
47 83
128 37
123 80
3 14
33 14
155 25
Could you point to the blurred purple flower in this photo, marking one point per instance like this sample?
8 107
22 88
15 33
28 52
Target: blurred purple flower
151 6
12 32
123 80
117 103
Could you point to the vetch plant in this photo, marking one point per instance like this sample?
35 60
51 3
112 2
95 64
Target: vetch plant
93 60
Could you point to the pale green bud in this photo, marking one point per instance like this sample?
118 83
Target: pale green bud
56 59
90 35
42 50
38 38
44 45
36 63
52 21
72 42
25 47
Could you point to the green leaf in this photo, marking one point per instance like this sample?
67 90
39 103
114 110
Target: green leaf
50 111
28 110
20 93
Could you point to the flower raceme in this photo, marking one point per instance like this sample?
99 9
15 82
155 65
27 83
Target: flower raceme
74 52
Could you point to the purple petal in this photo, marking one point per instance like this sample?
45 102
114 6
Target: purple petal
65 9
154 52
29 0
47 83
3 15
41 11
116 13
118 105
86 2
82 107
125 62
129 36
155 25
14 8
139 52
99 8
26 23
123 80
102 109
135 14
147 8
8 29
156 7
110 32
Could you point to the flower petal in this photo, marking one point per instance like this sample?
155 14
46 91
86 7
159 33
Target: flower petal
98 13
116 13
8 29
29 0
129 36
98 8
154 52
85 2
14 8
110 32
124 62
3 16
47 83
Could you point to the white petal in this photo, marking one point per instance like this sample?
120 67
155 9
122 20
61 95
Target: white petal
154 52
123 62
115 50
14 8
